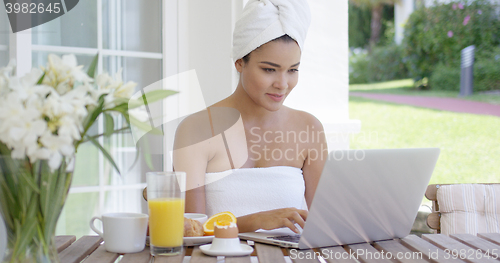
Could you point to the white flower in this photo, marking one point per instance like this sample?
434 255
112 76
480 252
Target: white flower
125 91
57 147
103 81
114 87
28 129
5 75
76 71
79 98
66 113
21 129
24 86
69 127
62 73
11 107
18 150
45 121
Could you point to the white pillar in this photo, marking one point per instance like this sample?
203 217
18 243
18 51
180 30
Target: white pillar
20 50
323 88
402 11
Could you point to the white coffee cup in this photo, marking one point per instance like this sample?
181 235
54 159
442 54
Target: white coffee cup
122 232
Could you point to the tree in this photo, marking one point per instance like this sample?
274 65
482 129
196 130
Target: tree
376 7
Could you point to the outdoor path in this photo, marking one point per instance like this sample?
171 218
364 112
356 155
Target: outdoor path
446 104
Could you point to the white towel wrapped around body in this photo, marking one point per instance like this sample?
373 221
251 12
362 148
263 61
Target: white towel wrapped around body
249 190
264 20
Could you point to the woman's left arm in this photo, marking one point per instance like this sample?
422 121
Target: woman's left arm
317 155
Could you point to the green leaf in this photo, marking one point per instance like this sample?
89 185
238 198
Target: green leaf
105 153
109 125
150 97
28 179
120 107
93 66
57 185
145 126
41 79
91 118
156 95
147 156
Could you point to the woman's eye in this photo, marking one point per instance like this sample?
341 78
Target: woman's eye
294 70
268 69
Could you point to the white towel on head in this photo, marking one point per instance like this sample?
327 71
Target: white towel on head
249 190
265 20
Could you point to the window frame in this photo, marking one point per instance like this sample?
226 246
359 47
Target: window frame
21 49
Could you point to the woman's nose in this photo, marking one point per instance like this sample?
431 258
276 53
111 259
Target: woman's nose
281 82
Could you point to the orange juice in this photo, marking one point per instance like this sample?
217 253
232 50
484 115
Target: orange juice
166 221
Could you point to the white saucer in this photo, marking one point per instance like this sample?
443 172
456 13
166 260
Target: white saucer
192 241
245 250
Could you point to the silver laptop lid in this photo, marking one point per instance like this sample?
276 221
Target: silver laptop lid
368 195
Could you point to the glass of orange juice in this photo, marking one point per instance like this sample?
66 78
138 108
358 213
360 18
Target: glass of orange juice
166 191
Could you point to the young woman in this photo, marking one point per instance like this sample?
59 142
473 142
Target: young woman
248 153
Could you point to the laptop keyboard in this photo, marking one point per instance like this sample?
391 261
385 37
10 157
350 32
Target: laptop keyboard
289 238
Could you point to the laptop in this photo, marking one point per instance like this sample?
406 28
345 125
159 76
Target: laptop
362 196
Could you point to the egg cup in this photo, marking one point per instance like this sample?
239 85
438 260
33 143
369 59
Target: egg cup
229 247
226 242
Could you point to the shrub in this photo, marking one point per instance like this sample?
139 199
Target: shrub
445 77
382 64
358 68
486 74
360 24
436 35
487 71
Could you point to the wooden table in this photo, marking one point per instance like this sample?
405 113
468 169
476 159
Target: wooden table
429 248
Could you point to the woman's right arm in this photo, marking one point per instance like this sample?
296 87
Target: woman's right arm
191 155
272 219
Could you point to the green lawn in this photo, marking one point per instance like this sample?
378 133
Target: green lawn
469 144
405 87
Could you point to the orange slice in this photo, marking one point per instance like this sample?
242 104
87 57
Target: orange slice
208 226
222 223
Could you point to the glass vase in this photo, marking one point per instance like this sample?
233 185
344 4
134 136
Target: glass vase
31 199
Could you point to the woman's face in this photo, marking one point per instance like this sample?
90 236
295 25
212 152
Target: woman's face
270 73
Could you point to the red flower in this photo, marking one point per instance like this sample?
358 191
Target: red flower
466 20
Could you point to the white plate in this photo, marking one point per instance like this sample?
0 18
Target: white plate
3 239
245 250
191 241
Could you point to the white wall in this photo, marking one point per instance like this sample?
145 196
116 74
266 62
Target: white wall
205 41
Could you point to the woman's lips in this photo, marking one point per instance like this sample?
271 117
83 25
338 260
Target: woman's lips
276 97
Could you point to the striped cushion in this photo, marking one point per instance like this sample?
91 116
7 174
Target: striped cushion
469 208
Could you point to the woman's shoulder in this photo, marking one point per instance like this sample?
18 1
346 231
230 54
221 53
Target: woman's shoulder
193 129
206 124
303 119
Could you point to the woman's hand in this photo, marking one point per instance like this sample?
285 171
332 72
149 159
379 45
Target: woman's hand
272 219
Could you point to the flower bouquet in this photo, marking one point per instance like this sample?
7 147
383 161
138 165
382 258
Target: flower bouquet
44 117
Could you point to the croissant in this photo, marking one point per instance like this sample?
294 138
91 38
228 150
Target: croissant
192 228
